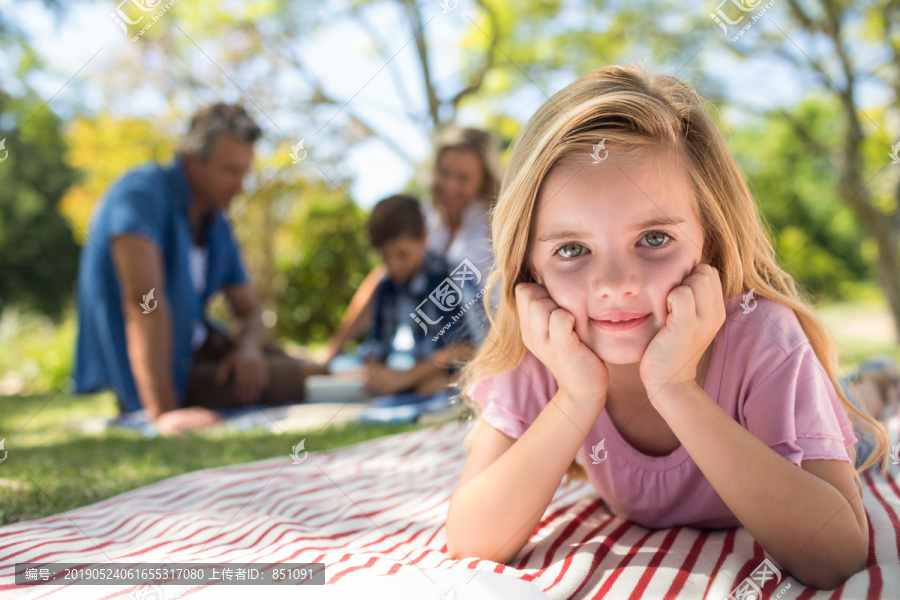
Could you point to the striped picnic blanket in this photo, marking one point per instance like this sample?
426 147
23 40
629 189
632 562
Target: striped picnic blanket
379 508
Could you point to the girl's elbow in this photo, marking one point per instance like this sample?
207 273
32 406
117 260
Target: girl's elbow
459 551
855 562
470 544
461 543
469 537
838 577
458 546
828 577
825 581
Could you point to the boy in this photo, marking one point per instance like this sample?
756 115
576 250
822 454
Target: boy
396 230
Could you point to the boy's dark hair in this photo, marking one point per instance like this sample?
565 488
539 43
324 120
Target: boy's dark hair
395 217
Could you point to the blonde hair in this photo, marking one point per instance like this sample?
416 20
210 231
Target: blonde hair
639 114
481 143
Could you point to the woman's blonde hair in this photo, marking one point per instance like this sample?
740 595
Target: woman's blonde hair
479 142
642 115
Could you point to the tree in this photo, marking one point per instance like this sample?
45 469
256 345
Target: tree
803 206
38 256
839 47
103 148
321 257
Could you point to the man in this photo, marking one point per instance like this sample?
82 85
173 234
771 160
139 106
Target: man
158 247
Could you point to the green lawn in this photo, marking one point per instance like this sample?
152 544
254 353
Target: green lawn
54 464
52 467
861 329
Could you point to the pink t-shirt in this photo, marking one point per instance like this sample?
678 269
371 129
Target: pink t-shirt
763 373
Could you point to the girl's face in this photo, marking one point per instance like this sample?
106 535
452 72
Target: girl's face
614 238
458 178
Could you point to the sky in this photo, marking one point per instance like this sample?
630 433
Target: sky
344 61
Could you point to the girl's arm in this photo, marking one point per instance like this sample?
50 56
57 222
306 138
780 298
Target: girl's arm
507 484
811 520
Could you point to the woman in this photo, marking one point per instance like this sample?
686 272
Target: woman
464 188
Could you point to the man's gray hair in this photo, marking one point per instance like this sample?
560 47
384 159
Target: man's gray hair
211 122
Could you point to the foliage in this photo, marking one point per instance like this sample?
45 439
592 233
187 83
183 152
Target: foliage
104 148
38 257
302 239
322 256
35 351
817 238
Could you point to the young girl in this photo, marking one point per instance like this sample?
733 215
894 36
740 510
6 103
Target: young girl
646 332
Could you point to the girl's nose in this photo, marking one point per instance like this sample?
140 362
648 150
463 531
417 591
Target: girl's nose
613 278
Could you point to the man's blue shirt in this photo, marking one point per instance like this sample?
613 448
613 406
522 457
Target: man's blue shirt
151 201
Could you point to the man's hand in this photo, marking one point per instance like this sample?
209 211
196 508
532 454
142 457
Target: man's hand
246 366
178 421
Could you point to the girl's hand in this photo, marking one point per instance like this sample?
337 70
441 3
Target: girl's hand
696 312
548 331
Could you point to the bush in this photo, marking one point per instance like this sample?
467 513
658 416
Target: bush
35 351
322 256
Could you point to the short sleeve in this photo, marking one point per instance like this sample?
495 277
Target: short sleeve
236 273
134 209
513 399
795 410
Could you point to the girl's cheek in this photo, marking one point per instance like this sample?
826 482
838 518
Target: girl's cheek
568 290
664 278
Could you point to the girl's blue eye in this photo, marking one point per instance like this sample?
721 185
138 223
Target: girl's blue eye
572 250
662 236
566 250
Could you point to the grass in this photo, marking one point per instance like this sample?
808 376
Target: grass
861 329
55 465
52 467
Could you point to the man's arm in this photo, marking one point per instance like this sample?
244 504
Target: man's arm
251 332
247 361
148 337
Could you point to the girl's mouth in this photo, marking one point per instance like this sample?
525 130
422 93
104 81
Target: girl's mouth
620 325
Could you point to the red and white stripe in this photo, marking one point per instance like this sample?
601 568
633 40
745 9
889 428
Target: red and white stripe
380 507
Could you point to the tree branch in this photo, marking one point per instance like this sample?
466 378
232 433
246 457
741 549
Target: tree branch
803 133
477 80
320 96
401 90
415 19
